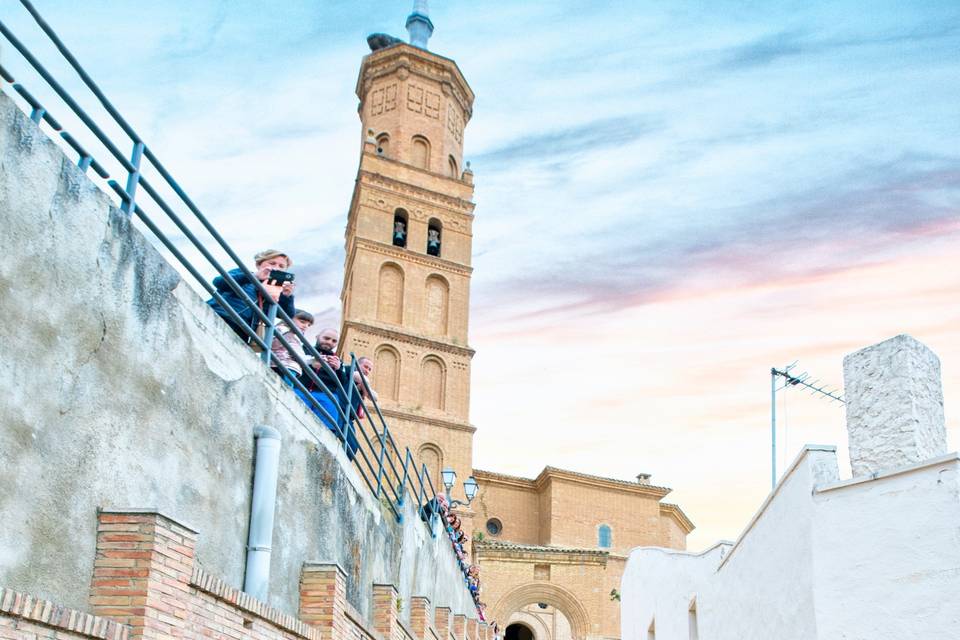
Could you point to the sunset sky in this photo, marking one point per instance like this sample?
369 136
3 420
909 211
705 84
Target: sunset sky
671 199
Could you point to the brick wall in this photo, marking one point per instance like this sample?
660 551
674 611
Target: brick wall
146 584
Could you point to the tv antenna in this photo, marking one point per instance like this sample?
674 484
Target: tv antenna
815 387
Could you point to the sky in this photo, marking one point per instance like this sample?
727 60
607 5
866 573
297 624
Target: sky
671 199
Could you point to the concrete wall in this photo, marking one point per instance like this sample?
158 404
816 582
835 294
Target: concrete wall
125 390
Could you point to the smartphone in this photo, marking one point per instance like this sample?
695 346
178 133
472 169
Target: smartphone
278 277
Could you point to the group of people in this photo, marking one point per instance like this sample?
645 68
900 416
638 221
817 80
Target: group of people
440 507
328 390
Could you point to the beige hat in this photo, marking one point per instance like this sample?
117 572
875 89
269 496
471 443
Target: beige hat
263 256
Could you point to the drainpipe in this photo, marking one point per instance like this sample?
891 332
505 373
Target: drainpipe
256 580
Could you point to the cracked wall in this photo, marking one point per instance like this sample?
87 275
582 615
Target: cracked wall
125 390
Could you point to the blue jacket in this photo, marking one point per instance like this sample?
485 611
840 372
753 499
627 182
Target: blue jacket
246 282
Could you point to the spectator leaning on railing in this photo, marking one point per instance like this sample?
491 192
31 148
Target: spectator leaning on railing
280 287
289 368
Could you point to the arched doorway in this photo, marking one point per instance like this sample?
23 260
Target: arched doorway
554 597
518 631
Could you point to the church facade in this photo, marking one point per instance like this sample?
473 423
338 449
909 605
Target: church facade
551 549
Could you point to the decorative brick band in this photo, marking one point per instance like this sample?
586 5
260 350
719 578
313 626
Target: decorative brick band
216 587
49 614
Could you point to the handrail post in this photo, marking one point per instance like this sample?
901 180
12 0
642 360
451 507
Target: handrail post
268 334
403 483
37 114
133 179
383 448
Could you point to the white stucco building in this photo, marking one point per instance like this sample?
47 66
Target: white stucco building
873 557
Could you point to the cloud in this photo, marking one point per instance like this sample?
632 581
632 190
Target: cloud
859 217
777 46
558 145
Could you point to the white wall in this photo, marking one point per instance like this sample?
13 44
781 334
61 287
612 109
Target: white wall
888 554
871 558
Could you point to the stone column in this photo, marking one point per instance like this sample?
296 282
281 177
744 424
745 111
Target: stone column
142 571
420 616
385 620
323 598
894 402
473 629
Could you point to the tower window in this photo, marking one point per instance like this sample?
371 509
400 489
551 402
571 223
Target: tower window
454 172
434 232
420 156
494 527
605 537
400 220
383 145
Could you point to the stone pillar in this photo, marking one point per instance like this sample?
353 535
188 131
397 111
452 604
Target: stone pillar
142 571
420 616
894 403
441 621
323 598
385 610
473 629
484 632
460 626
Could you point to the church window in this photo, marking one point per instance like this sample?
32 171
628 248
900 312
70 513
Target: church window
437 297
494 526
386 373
605 537
383 145
390 294
434 237
400 226
452 162
420 156
432 383
431 457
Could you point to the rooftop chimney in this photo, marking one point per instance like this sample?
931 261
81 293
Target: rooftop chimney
894 403
643 478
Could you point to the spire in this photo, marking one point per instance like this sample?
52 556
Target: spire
418 24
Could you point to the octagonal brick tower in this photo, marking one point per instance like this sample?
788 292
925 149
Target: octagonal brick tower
406 304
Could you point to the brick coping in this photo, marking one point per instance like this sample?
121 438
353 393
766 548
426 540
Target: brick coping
216 587
47 613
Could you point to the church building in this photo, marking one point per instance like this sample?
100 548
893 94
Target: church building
551 549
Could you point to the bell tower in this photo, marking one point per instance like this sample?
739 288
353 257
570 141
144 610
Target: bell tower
406 287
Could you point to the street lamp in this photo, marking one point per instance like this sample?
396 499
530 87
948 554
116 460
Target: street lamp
469 487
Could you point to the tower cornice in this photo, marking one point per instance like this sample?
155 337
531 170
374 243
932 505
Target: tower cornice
396 412
421 194
408 337
403 255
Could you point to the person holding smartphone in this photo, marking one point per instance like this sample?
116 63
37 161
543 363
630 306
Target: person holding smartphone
272 271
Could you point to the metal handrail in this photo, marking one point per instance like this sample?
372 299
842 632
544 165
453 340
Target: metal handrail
379 454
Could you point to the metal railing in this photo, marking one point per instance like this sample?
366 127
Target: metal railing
391 473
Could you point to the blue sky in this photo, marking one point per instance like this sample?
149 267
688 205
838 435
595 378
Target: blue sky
671 198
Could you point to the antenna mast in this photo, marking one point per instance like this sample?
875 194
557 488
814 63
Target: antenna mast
803 380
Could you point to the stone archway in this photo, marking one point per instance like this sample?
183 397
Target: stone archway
551 594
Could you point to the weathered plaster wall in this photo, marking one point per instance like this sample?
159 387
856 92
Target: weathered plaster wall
125 390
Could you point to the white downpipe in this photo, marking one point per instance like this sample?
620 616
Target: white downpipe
256 580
